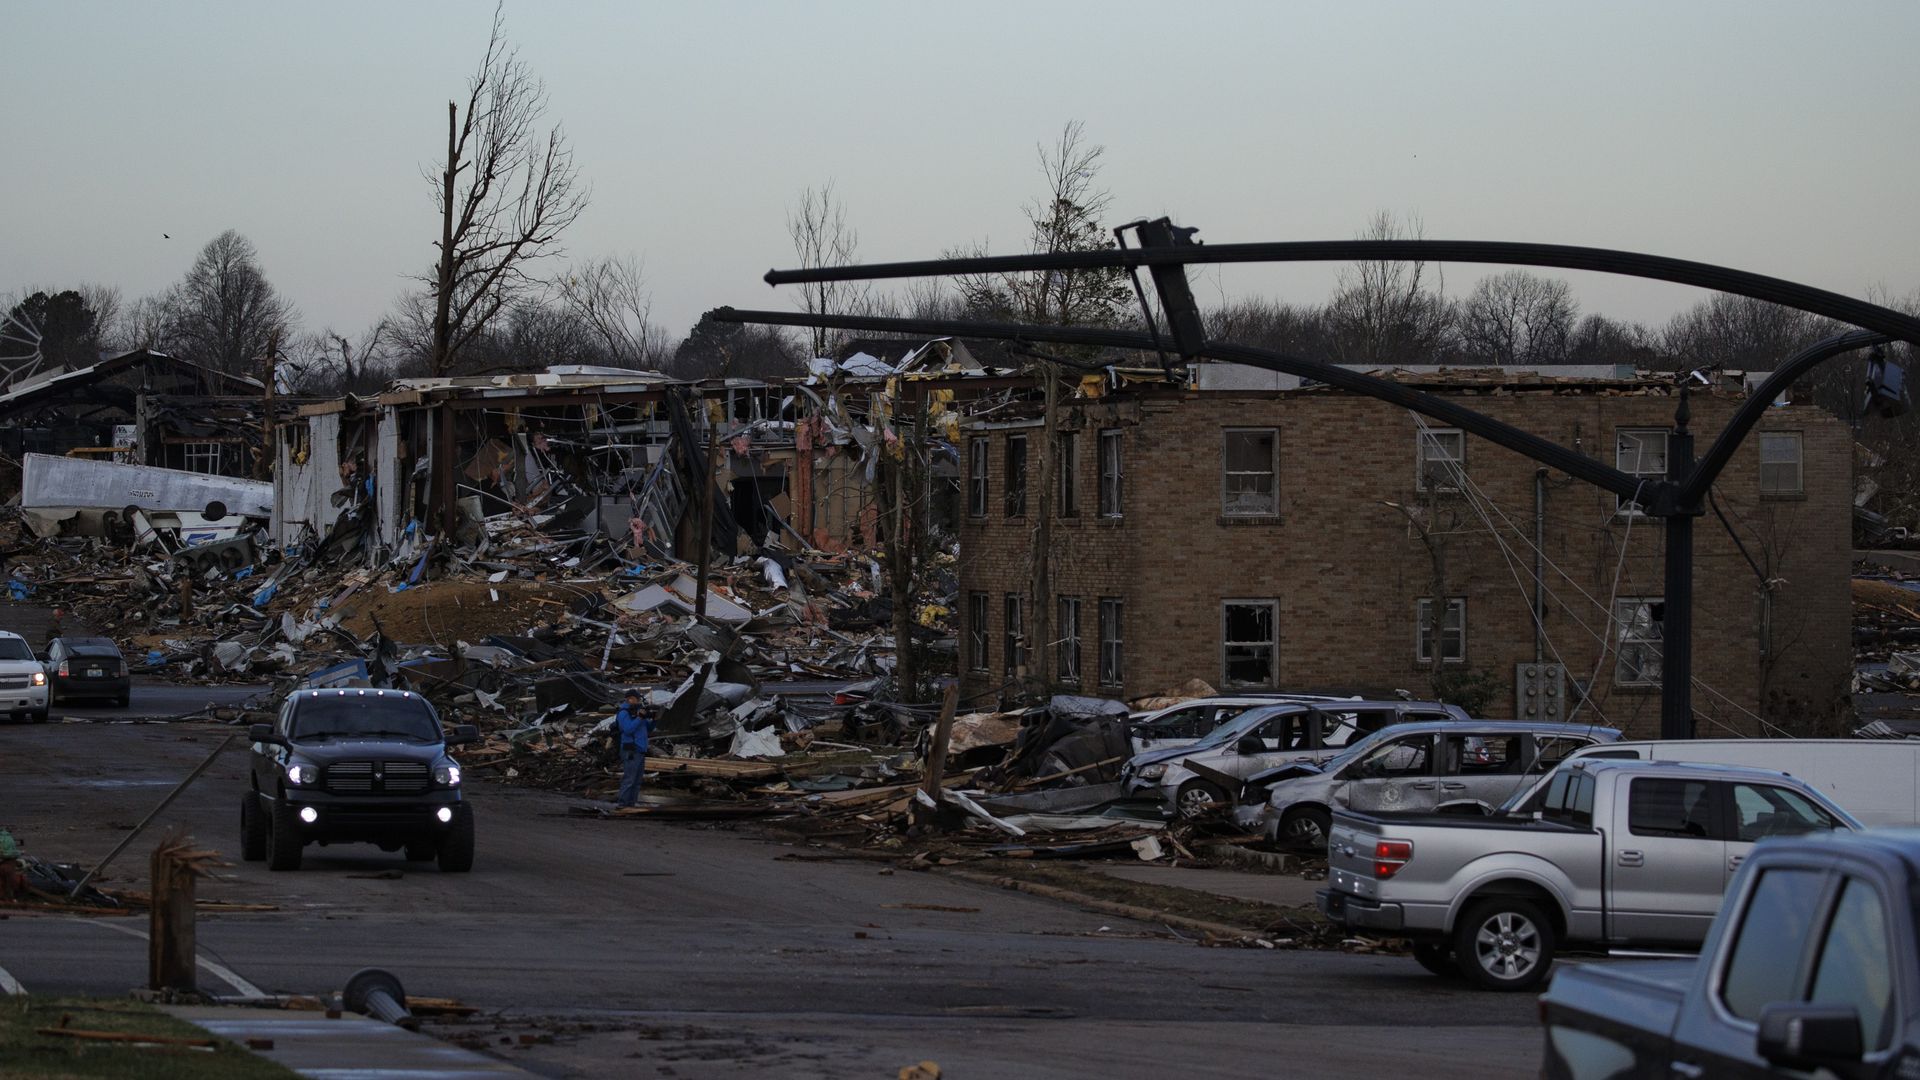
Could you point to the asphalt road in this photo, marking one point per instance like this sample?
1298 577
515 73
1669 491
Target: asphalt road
646 948
152 698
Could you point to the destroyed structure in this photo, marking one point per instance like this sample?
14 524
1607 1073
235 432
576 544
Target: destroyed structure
1264 536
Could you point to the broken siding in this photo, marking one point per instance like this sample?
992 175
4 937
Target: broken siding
303 492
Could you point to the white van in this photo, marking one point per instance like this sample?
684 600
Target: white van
1875 780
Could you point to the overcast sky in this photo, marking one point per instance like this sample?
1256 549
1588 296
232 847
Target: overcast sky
1775 137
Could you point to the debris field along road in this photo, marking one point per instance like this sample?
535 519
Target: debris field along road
705 950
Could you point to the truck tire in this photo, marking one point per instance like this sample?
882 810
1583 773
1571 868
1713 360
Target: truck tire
253 829
1196 797
283 838
455 852
1306 829
1504 943
420 852
1437 959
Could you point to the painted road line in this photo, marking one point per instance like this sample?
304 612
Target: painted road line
9 984
221 971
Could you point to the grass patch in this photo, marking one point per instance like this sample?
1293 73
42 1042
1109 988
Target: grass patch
28 1055
1302 924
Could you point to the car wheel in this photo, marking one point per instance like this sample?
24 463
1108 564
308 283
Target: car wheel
253 829
1504 943
455 852
124 700
421 852
1197 797
1306 829
1437 959
283 838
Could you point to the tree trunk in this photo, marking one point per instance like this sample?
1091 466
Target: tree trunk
1041 621
442 359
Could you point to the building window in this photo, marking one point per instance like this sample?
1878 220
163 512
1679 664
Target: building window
1637 639
1440 459
1780 463
1067 655
1016 476
1112 474
977 478
1453 631
1066 445
1249 642
977 631
1013 644
200 457
1639 452
1113 613
1250 473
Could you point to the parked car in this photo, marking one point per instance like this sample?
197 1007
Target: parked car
1872 779
1812 968
1192 779
88 667
1415 768
1621 854
23 680
1190 721
356 766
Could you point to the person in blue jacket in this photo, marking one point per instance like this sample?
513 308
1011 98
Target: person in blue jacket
635 723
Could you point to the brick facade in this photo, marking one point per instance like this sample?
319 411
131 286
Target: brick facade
1345 570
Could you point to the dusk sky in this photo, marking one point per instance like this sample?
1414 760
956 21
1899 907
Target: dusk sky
1775 137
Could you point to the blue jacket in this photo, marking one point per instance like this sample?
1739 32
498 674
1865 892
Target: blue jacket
636 727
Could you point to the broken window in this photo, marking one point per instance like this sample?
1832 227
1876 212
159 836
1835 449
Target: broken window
977 631
1638 640
977 478
1440 458
1067 657
200 457
1780 463
1249 642
1112 473
1013 644
1016 476
1068 464
1640 452
1112 619
1453 631
1250 473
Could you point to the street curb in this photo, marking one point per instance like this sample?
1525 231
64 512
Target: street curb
1111 907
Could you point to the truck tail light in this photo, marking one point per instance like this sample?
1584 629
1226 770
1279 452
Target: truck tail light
63 669
1389 856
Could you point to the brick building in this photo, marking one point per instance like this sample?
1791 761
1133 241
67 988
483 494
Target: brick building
1310 539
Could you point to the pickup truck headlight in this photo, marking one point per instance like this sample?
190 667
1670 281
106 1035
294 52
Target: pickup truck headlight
300 773
39 678
1152 772
447 775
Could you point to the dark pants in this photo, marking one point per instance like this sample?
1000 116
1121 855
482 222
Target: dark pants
633 761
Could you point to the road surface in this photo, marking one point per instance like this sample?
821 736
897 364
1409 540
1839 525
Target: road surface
654 949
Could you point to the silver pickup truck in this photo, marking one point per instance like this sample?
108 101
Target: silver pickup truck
1620 853
1811 970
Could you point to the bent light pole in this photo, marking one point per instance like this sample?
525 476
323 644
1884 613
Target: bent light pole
1166 250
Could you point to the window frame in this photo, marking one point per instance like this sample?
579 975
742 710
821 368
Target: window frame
1821 912
1012 635
1622 505
1113 473
1430 436
978 476
1273 644
979 633
1621 640
1422 649
1799 464
1013 497
1067 468
1113 639
203 450
1227 509
1066 661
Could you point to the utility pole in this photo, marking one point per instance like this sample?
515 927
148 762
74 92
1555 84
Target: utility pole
704 554
1676 622
264 467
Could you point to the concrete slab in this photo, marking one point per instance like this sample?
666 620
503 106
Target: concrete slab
1283 890
353 1047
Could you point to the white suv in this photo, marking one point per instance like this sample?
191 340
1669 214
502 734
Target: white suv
23 679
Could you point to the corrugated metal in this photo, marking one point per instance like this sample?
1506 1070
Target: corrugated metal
54 483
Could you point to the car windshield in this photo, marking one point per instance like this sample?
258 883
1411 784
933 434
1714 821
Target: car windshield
356 714
14 648
1232 731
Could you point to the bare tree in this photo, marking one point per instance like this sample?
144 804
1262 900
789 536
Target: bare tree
1518 318
1739 332
1067 218
1387 312
505 194
822 237
225 313
608 298
1598 339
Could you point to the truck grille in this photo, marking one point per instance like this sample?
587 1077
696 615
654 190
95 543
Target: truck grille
13 682
366 777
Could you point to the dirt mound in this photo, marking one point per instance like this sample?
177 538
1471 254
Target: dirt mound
446 611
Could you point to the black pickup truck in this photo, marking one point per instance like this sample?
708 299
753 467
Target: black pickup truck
1811 969
356 766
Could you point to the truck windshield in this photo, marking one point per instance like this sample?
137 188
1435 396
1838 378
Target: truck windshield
334 717
14 648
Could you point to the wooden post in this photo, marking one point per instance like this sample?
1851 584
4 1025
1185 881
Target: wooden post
942 735
704 554
170 941
265 465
